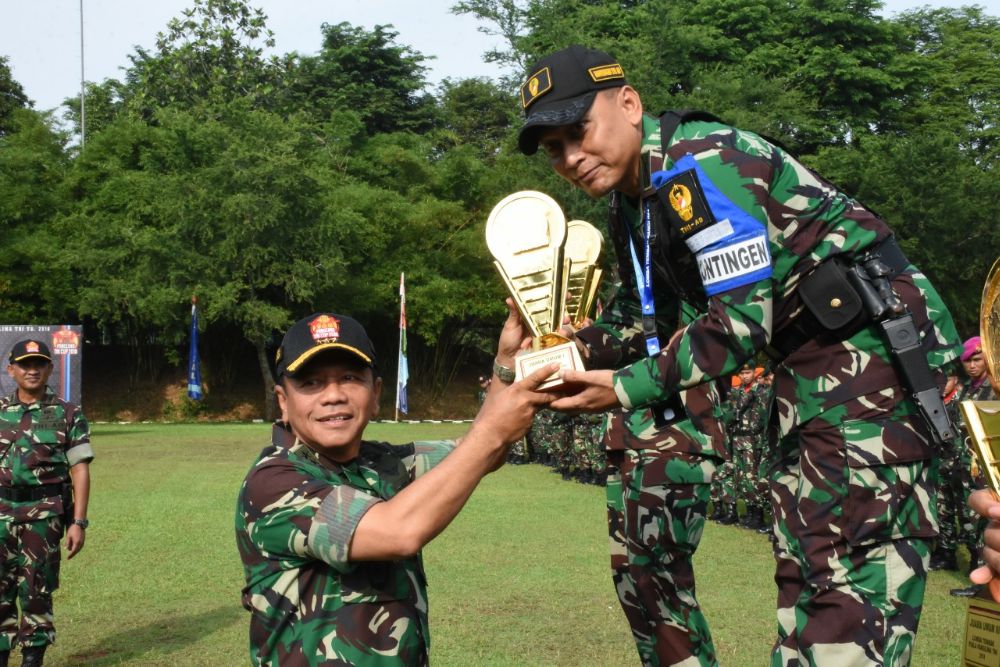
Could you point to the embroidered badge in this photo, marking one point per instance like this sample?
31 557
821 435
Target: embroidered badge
606 72
31 346
537 85
325 329
687 204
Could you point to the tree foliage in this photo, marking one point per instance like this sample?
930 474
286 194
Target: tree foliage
275 186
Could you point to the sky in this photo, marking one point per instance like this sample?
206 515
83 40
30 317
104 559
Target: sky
41 38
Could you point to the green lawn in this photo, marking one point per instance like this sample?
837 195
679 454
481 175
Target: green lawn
520 578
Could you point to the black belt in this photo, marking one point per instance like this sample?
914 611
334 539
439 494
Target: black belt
806 327
21 494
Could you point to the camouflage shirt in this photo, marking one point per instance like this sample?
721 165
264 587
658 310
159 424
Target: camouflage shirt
39 443
775 221
310 604
747 409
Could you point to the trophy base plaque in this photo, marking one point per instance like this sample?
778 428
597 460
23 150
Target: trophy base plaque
564 354
982 633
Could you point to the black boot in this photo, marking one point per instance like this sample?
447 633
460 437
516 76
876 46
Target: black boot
4 658
731 515
943 559
31 656
755 518
766 524
716 511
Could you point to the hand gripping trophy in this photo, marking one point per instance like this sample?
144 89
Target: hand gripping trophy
549 269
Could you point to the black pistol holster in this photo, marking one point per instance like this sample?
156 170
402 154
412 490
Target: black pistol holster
843 296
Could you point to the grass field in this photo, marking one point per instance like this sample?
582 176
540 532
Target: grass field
520 578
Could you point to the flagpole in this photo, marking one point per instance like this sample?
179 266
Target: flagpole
402 369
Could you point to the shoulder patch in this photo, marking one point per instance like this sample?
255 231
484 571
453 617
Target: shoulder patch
729 245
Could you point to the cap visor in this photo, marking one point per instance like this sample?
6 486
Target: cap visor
297 364
33 355
562 113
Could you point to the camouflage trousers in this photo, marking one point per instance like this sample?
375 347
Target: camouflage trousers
656 514
852 495
746 471
722 489
959 524
30 555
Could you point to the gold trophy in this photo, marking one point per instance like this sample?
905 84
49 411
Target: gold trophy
526 234
584 245
982 418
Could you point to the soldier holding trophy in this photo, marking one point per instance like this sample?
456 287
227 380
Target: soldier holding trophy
758 253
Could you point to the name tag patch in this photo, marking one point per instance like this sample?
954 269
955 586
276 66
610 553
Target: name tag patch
733 265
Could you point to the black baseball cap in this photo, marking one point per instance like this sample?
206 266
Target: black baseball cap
28 349
560 88
320 332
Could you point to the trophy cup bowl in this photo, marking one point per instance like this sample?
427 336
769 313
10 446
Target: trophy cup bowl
584 245
526 233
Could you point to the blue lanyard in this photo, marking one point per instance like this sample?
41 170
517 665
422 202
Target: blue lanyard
644 282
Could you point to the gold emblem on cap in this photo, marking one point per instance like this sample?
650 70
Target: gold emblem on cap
680 200
537 85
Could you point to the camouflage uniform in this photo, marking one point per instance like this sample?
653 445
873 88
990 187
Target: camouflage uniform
552 431
310 605
722 493
39 443
957 482
766 448
745 433
658 481
852 487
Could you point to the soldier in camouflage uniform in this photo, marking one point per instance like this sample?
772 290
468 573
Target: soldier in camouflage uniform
740 230
722 493
957 478
766 443
44 456
749 414
955 475
329 526
660 463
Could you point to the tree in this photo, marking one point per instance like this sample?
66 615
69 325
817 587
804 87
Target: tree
368 73
32 166
211 55
11 97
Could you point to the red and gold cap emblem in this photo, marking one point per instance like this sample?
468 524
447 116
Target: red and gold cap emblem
31 347
325 329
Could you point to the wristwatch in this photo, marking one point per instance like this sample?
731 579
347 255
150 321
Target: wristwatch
83 523
504 374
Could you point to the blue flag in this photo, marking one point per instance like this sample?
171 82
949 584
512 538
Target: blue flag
194 363
403 375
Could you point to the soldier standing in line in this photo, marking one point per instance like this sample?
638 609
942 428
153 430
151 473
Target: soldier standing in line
44 490
955 474
765 443
746 429
975 387
723 492
770 257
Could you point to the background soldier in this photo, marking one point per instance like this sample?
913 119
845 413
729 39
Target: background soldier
44 450
956 470
748 413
